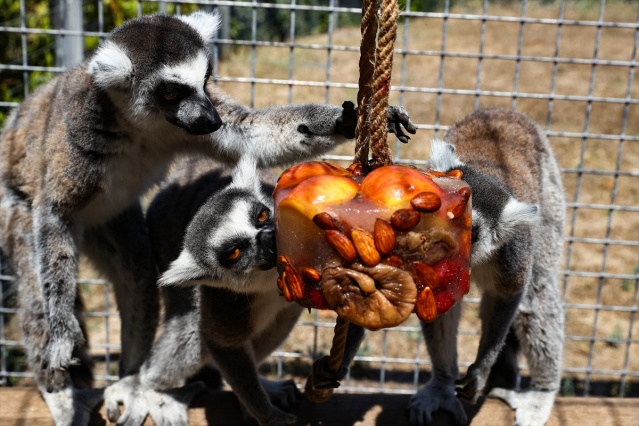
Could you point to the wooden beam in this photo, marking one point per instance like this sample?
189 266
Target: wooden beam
24 407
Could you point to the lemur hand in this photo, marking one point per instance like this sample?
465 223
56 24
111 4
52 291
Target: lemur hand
347 122
397 117
58 354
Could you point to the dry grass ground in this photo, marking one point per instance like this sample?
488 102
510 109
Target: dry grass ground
605 155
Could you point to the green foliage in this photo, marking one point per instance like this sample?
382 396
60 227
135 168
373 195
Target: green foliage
39 52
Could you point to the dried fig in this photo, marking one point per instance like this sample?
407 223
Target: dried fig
390 305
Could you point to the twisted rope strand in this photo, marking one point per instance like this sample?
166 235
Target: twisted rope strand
375 66
366 75
381 86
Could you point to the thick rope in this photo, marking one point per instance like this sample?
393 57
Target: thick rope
375 66
381 154
366 77
334 362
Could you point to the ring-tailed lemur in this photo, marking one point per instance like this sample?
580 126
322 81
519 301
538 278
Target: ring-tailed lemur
214 243
76 155
517 240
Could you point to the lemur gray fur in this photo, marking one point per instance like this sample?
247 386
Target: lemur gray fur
77 154
214 242
517 239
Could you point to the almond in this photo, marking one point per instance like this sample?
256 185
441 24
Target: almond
326 221
293 281
426 307
405 219
457 207
456 173
282 261
465 192
384 236
425 276
341 244
426 202
357 169
393 260
365 247
285 290
310 275
436 173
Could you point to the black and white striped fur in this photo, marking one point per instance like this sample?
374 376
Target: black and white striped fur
213 239
517 239
76 156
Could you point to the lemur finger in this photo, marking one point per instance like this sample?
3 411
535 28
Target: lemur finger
112 410
419 417
396 129
398 114
55 379
134 415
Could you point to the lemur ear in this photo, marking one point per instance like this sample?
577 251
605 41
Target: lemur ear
205 23
181 271
443 156
110 66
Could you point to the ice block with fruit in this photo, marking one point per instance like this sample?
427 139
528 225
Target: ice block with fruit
374 247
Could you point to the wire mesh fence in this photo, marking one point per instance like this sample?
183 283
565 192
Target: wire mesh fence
570 65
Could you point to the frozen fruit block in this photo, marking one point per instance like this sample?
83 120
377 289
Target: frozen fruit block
373 247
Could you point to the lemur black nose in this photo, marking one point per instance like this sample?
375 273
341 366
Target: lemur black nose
266 242
208 122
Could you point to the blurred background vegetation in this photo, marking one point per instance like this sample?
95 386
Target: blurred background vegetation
272 25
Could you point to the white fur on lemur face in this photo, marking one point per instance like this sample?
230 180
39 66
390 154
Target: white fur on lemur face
157 87
225 248
497 216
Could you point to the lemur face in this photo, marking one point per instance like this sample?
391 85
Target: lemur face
243 237
231 236
165 82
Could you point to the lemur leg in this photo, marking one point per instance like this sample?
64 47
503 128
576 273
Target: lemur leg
505 371
439 393
539 329
496 314
55 240
237 365
176 355
121 250
66 404
284 394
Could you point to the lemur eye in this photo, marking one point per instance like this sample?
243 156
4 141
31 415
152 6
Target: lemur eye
171 92
169 96
262 216
303 128
234 254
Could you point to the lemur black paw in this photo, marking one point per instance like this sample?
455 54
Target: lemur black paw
398 117
434 401
471 385
323 378
347 122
